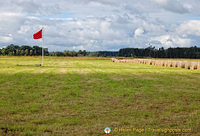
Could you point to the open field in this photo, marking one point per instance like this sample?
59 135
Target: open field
82 96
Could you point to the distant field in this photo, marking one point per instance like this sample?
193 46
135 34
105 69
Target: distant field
82 96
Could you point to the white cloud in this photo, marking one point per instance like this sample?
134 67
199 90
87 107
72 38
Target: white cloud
191 27
138 32
172 5
6 39
172 41
99 24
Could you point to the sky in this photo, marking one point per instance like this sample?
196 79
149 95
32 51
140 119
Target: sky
97 25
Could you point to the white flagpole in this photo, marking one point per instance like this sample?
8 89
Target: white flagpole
42 46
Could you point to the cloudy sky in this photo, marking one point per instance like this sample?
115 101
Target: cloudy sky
100 24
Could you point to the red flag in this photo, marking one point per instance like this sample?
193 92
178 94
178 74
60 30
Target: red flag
37 35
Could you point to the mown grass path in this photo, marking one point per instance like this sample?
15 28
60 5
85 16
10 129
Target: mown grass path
82 96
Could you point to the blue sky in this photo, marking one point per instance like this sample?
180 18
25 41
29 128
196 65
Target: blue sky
101 24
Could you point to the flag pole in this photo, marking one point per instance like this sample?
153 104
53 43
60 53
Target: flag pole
42 46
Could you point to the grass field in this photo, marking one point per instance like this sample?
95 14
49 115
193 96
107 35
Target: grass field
82 96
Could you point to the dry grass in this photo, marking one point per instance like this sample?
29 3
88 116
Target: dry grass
82 96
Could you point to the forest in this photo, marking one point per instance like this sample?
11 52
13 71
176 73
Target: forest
151 52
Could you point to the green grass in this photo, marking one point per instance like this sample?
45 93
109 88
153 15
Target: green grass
82 96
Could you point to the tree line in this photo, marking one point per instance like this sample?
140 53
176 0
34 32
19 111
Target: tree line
69 53
178 52
24 50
